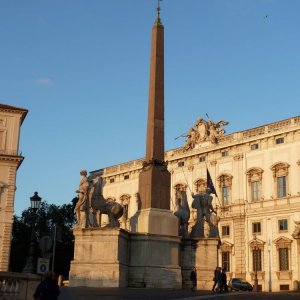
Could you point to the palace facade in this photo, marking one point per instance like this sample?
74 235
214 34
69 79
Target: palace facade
11 119
256 174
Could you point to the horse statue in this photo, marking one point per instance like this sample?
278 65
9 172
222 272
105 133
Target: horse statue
91 204
183 214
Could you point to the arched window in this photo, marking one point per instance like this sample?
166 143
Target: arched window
178 188
280 175
200 186
225 186
254 176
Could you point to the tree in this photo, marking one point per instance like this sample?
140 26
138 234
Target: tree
48 216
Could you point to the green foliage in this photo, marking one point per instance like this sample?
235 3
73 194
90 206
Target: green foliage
46 218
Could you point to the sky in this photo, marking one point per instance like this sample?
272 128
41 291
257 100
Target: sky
81 68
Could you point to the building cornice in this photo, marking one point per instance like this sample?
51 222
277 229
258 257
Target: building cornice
229 141
12 158
14 109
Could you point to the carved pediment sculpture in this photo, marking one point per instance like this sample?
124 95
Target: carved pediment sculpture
203 131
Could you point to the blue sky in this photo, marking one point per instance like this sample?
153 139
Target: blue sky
81 68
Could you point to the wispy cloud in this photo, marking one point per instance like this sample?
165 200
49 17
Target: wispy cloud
44 81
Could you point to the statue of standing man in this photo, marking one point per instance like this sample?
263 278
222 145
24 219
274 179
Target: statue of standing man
81 205
203 204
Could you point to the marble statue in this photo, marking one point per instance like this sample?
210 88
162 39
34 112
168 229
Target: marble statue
203 131
183 214
81 205
203 204
91 204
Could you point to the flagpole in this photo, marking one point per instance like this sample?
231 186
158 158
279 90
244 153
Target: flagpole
210 184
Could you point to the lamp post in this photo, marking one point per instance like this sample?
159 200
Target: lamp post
31 261
255 285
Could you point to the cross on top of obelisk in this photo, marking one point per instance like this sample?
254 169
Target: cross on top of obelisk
158 9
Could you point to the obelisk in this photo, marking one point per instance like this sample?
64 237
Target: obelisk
155 179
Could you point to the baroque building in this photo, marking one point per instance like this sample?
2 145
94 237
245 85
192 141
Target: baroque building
256 174
11 119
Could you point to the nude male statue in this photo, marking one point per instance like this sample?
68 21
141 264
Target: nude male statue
81 205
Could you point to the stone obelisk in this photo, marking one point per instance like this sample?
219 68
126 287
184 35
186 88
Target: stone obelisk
155 179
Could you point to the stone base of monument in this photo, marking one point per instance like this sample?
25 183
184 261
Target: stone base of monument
201 253
113 257
154 261
157 221
100 258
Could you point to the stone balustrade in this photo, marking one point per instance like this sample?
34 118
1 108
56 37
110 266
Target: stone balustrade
18 285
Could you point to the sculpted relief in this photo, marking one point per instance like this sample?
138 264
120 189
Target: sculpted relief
203 131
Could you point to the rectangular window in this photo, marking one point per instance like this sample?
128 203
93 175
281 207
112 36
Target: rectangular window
283 259
226 261
255 194
225 153
256 227
225 195
111 180
281 186
280 141
126 177
254 146
225 230
181 164
202 158
256 259
283 225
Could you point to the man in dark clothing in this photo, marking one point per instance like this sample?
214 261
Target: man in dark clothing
216 279
224 287
47 289
193 278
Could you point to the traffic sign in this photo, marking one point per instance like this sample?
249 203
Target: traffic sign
42 265
45 244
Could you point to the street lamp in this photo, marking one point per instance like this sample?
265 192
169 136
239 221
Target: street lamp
31 261
255 285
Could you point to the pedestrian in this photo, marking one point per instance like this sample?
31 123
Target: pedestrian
224 287
193 278
47 289
215 280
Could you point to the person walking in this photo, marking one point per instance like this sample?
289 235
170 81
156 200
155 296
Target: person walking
215 279
47 289
224 287
193 278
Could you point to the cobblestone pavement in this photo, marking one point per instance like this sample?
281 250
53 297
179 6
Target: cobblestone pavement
69 293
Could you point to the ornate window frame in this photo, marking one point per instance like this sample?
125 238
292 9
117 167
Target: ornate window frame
178 188
283 243
255 174
225 180
280 169
226 247
200 185
257 245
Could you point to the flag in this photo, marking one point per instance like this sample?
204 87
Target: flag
210 183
